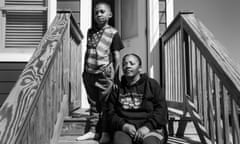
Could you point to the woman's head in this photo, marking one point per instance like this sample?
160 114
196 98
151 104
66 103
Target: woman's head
131 65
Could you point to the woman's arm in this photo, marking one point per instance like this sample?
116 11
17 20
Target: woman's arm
159 116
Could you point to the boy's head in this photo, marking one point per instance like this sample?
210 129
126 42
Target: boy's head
102 13
131 65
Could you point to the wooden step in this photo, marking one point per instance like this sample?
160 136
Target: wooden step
75 126
72 140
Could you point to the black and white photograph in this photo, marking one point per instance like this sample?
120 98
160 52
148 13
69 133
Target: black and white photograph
119 72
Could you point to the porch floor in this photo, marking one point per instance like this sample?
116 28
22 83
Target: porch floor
74 127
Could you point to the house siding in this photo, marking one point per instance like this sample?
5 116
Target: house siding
9 73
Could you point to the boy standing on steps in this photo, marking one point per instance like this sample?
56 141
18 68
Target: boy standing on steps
102 60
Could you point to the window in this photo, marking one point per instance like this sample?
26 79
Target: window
23 24
162 16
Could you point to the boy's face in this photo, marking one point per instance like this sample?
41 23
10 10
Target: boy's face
131 66
102 14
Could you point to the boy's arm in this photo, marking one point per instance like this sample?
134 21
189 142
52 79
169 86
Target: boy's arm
116 65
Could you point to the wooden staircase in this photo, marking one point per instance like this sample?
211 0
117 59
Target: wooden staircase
75 126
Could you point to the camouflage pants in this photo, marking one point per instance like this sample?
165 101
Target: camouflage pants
98 87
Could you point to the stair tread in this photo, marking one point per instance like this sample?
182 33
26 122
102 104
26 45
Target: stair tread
72 140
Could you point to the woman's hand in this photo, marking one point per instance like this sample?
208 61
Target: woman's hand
130 129
141 132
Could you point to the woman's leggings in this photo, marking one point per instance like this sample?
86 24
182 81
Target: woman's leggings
121 137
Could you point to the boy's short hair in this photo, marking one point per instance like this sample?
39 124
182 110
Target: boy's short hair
135 55
106 2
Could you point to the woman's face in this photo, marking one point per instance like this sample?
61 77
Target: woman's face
130 66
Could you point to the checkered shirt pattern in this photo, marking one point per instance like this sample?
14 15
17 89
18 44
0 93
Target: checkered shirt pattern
98 54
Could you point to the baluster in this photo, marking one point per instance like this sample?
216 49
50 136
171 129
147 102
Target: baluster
174 68
194 74
225 109
205 93
219 135
169 70
210 103
235 122
180 65
166 69
199 83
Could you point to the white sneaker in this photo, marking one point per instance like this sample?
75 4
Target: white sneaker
86 136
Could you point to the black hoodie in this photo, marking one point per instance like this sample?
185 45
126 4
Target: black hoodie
141 104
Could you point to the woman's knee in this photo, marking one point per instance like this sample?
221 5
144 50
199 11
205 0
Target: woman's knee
121 137
153 140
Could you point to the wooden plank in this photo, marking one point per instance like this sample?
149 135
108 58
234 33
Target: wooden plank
235 123
219 133
225 109
204 93
49 98
191 70
199 81
210 104
171 69
178 67
174 68
182 66
59 123
194 70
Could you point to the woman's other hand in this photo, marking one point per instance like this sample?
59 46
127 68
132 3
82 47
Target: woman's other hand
130 129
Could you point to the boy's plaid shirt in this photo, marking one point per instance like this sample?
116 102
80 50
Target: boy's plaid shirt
98 54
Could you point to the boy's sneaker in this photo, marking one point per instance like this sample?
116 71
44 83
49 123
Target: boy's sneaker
105 138
87 136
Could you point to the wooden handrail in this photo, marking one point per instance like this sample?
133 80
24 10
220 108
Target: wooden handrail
200 79
34 110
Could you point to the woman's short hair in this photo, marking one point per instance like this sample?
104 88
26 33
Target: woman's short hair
135 55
